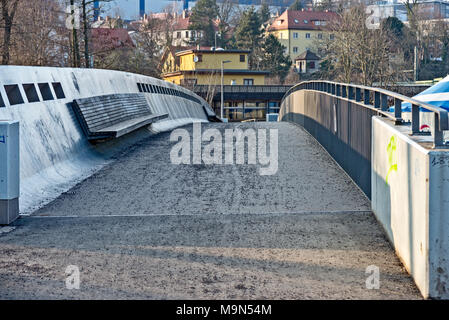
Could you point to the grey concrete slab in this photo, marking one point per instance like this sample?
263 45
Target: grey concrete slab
244 256
143 228
143 181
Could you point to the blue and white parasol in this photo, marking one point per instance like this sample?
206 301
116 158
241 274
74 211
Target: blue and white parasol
437 95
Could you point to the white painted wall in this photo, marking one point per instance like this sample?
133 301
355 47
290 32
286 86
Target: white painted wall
413 206
54 151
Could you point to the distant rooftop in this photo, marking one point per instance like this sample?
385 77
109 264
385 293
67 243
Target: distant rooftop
303 20
210 50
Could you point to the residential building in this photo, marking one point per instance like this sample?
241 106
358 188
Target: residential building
182 35
426 10
302 30
203 67
307 62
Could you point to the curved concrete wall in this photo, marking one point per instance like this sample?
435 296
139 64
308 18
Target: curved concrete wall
54 151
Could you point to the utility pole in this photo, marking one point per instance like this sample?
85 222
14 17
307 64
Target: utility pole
415 64
221 91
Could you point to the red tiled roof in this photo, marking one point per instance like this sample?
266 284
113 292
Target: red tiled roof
302 20
181 23
107 39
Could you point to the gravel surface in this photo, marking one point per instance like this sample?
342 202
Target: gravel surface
145 228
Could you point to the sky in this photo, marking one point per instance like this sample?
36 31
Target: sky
129 9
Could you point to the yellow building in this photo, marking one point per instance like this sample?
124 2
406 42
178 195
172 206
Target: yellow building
203 67
302 30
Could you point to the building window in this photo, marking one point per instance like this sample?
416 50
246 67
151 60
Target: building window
295 35
13 93
45 91
58 90
305 21
187 34
242 58
248 82
311 65
307 35
320 36
193 34
178 34
295 49
200 58
30 92
331 36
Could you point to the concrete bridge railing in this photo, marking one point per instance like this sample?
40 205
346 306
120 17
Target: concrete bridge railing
401 168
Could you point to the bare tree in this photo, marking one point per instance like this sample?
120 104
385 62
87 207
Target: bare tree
9 9
357 53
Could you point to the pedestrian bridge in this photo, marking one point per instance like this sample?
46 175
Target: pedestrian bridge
354 185
402 168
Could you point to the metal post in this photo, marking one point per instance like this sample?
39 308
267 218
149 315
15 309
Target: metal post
398 110
221 91
358 94
366 96
415 119
222 95
384 102
376 99
438 139
351 92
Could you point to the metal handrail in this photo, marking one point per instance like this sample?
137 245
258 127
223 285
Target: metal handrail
245 88
380 97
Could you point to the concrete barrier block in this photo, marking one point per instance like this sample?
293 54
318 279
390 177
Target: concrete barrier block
9 171
410 198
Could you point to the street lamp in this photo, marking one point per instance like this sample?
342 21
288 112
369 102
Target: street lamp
222 64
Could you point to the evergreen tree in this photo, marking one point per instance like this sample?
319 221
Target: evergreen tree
202 19
273 58
264 12
325 5
297 5
248 35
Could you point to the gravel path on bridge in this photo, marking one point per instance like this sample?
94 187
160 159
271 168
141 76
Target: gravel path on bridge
144 228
